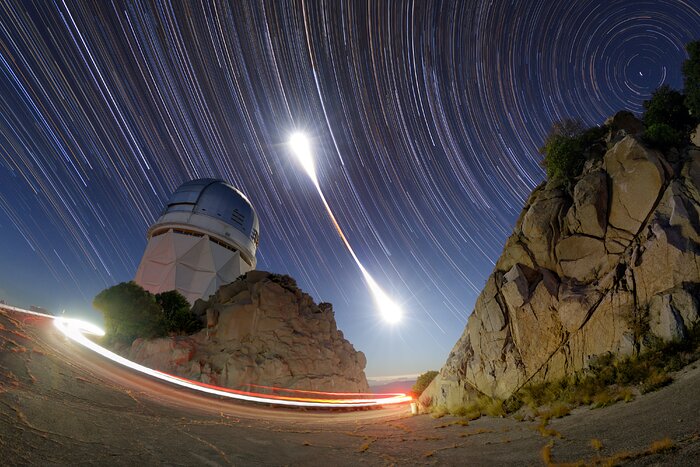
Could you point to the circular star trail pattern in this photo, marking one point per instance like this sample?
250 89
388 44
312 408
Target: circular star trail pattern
425 119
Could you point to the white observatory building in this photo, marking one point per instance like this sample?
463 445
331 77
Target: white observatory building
206 236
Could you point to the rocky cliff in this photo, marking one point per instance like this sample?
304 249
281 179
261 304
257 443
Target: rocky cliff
260 330
605 266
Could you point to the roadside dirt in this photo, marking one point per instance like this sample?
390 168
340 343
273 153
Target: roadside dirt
60 404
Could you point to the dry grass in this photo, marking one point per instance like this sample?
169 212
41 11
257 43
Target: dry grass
555 410
603 399
609 379
492 407
480 431
369 441
401 427
546 453
626 394
439 412
460 422
656 380
661 445
657 447
484 405
432 438
546 431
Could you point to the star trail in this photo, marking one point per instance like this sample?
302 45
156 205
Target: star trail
425 119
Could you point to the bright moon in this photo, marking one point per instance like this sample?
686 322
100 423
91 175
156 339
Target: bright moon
302 149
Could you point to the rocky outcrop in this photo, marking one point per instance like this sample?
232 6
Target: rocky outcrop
608 268
260 330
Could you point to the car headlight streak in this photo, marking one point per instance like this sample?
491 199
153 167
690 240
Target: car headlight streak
76 330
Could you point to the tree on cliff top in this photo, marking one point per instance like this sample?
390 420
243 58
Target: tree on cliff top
130 312
667 106
566 148
691 78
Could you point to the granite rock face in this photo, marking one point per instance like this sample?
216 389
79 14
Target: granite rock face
260 330
608 268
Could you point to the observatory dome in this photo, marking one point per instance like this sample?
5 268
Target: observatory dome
206 236
217 207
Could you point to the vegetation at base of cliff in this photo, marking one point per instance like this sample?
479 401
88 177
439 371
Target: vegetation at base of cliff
609 379
130 312
423 381
483 406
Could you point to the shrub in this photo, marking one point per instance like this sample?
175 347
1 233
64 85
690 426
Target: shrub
288 282
423 381
563 159
661 136
130 312
691 79
176 312
667 106
566 148
492 407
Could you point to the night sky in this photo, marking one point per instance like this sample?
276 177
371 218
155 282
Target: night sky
425 119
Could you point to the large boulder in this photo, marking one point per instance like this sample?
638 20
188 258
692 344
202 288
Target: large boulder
261 330
610 266
637 176
589 213
625 121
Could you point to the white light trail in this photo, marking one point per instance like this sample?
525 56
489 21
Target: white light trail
301 148
76 329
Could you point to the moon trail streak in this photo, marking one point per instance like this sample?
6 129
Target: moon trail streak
389 310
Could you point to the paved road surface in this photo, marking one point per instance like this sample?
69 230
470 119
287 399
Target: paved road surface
61 404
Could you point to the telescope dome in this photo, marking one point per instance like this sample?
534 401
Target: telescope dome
206 236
